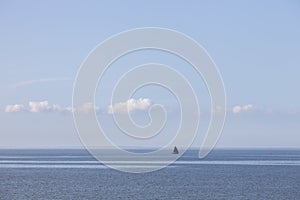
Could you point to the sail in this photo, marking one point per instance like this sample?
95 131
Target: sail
175 151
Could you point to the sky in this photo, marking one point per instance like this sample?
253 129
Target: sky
255 45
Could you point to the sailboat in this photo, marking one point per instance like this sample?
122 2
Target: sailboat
175 150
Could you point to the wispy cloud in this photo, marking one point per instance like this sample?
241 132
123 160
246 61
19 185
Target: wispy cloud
129 106
34 81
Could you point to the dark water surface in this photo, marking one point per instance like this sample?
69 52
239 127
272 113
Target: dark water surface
224 174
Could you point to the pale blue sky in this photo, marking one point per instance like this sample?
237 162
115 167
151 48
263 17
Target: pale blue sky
255 44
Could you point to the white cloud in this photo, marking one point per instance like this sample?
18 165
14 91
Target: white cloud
56 107
59 108
38 107
248 107
69 109
129 106
236 109
218 109
14 108
242 108
44 106
87 107
41 106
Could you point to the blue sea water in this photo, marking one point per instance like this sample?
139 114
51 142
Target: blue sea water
224 174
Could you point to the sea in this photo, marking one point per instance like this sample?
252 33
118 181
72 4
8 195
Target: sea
223 174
